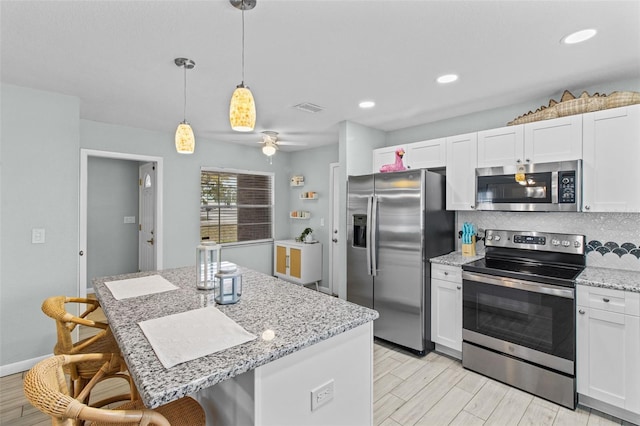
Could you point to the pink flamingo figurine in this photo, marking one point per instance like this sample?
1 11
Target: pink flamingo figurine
397 166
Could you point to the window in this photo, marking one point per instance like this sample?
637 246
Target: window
235 206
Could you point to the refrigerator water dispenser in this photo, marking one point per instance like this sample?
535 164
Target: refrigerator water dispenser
360 230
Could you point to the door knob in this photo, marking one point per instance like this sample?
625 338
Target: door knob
150 241
335 231
335 240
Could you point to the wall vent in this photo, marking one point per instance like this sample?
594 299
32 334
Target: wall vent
309 107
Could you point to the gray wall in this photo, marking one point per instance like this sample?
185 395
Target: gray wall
39 186
112 245
314 165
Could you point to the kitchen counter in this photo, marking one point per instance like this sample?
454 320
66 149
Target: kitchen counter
455 258
617 279
287 318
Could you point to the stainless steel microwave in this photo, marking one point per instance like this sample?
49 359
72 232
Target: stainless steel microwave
542 187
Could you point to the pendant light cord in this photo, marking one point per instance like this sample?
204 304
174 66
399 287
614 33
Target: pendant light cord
243 42
184 110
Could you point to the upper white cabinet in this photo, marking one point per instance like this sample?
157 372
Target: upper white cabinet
559 139
427 154
611 151
387 155
608 347
501 147
462 157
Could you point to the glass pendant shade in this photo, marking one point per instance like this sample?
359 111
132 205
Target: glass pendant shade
268 150
242 111
185 141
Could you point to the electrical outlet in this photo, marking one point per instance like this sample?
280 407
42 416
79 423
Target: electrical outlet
321 395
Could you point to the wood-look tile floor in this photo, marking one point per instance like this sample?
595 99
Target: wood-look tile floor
408 390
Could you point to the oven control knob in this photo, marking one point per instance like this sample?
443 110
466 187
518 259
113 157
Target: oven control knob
566 243
576 244
497 238
489 237
555 242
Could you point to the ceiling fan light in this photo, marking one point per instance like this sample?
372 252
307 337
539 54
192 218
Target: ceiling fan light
242 111
185 141
268 150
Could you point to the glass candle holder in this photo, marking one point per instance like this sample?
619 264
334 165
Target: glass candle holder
207 264
229 287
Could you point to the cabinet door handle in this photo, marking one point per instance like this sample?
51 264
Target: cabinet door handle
459 287
446 273
605 300
287 261
581 311
587 207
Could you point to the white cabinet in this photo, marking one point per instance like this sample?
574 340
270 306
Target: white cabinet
446 308
608 347
611 152
296 262
462 157
544 141
387 155
427 154
559 139
501 147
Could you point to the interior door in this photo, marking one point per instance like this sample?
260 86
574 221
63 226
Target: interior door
334 248
147 243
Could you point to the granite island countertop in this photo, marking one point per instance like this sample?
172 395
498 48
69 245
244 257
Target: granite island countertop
297 316
455 258
617 279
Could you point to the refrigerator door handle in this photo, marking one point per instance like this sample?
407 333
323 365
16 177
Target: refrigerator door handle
368 234
373 233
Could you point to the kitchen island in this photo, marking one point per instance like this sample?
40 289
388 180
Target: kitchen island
308 344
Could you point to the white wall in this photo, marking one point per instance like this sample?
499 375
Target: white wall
112 245
40 163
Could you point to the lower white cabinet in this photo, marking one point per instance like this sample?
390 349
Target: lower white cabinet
608 349
300 263
446 308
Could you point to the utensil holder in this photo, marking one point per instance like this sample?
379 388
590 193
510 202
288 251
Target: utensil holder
469 249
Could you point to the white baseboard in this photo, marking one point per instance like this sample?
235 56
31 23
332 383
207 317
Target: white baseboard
18 367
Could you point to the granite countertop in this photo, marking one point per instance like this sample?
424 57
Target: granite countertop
455 258
617 279
299 317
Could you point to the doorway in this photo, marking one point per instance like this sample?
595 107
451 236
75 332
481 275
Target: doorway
334 236
154 209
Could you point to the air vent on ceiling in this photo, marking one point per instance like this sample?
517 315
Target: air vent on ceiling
309 107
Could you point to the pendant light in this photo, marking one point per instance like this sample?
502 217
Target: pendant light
242 110
185 141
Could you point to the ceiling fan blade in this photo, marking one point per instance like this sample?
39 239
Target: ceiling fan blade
291 143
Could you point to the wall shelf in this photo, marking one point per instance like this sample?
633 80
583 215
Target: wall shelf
309 195
299 214
297 180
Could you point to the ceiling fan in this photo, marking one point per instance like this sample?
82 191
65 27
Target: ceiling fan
270 142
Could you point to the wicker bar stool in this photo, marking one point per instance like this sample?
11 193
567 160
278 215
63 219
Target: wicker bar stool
103 342
45 387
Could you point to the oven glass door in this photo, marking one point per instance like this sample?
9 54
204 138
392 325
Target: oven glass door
538 321
503 189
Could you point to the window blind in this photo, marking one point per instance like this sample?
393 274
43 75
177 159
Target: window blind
235 207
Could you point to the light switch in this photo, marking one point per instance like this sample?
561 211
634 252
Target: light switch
129 219
37 236
322 221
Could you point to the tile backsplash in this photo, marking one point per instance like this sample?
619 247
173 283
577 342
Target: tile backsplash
613 238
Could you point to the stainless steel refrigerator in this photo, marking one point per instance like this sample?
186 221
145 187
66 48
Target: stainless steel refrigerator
396 222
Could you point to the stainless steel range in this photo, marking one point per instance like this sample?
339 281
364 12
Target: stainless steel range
518 323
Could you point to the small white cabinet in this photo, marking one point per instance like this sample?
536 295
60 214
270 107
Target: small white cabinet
387 155
446 308
501 147
611 148
462 157
559 139
429 154
300 263
608 347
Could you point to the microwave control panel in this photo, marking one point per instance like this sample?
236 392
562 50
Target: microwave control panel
567 187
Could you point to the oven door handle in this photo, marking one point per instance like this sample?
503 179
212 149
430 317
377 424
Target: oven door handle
552 290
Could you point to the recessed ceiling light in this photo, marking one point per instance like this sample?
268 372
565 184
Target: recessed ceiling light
447 78
579 36
367 104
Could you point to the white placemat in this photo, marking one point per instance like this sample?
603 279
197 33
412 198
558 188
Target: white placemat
193 334
134 287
